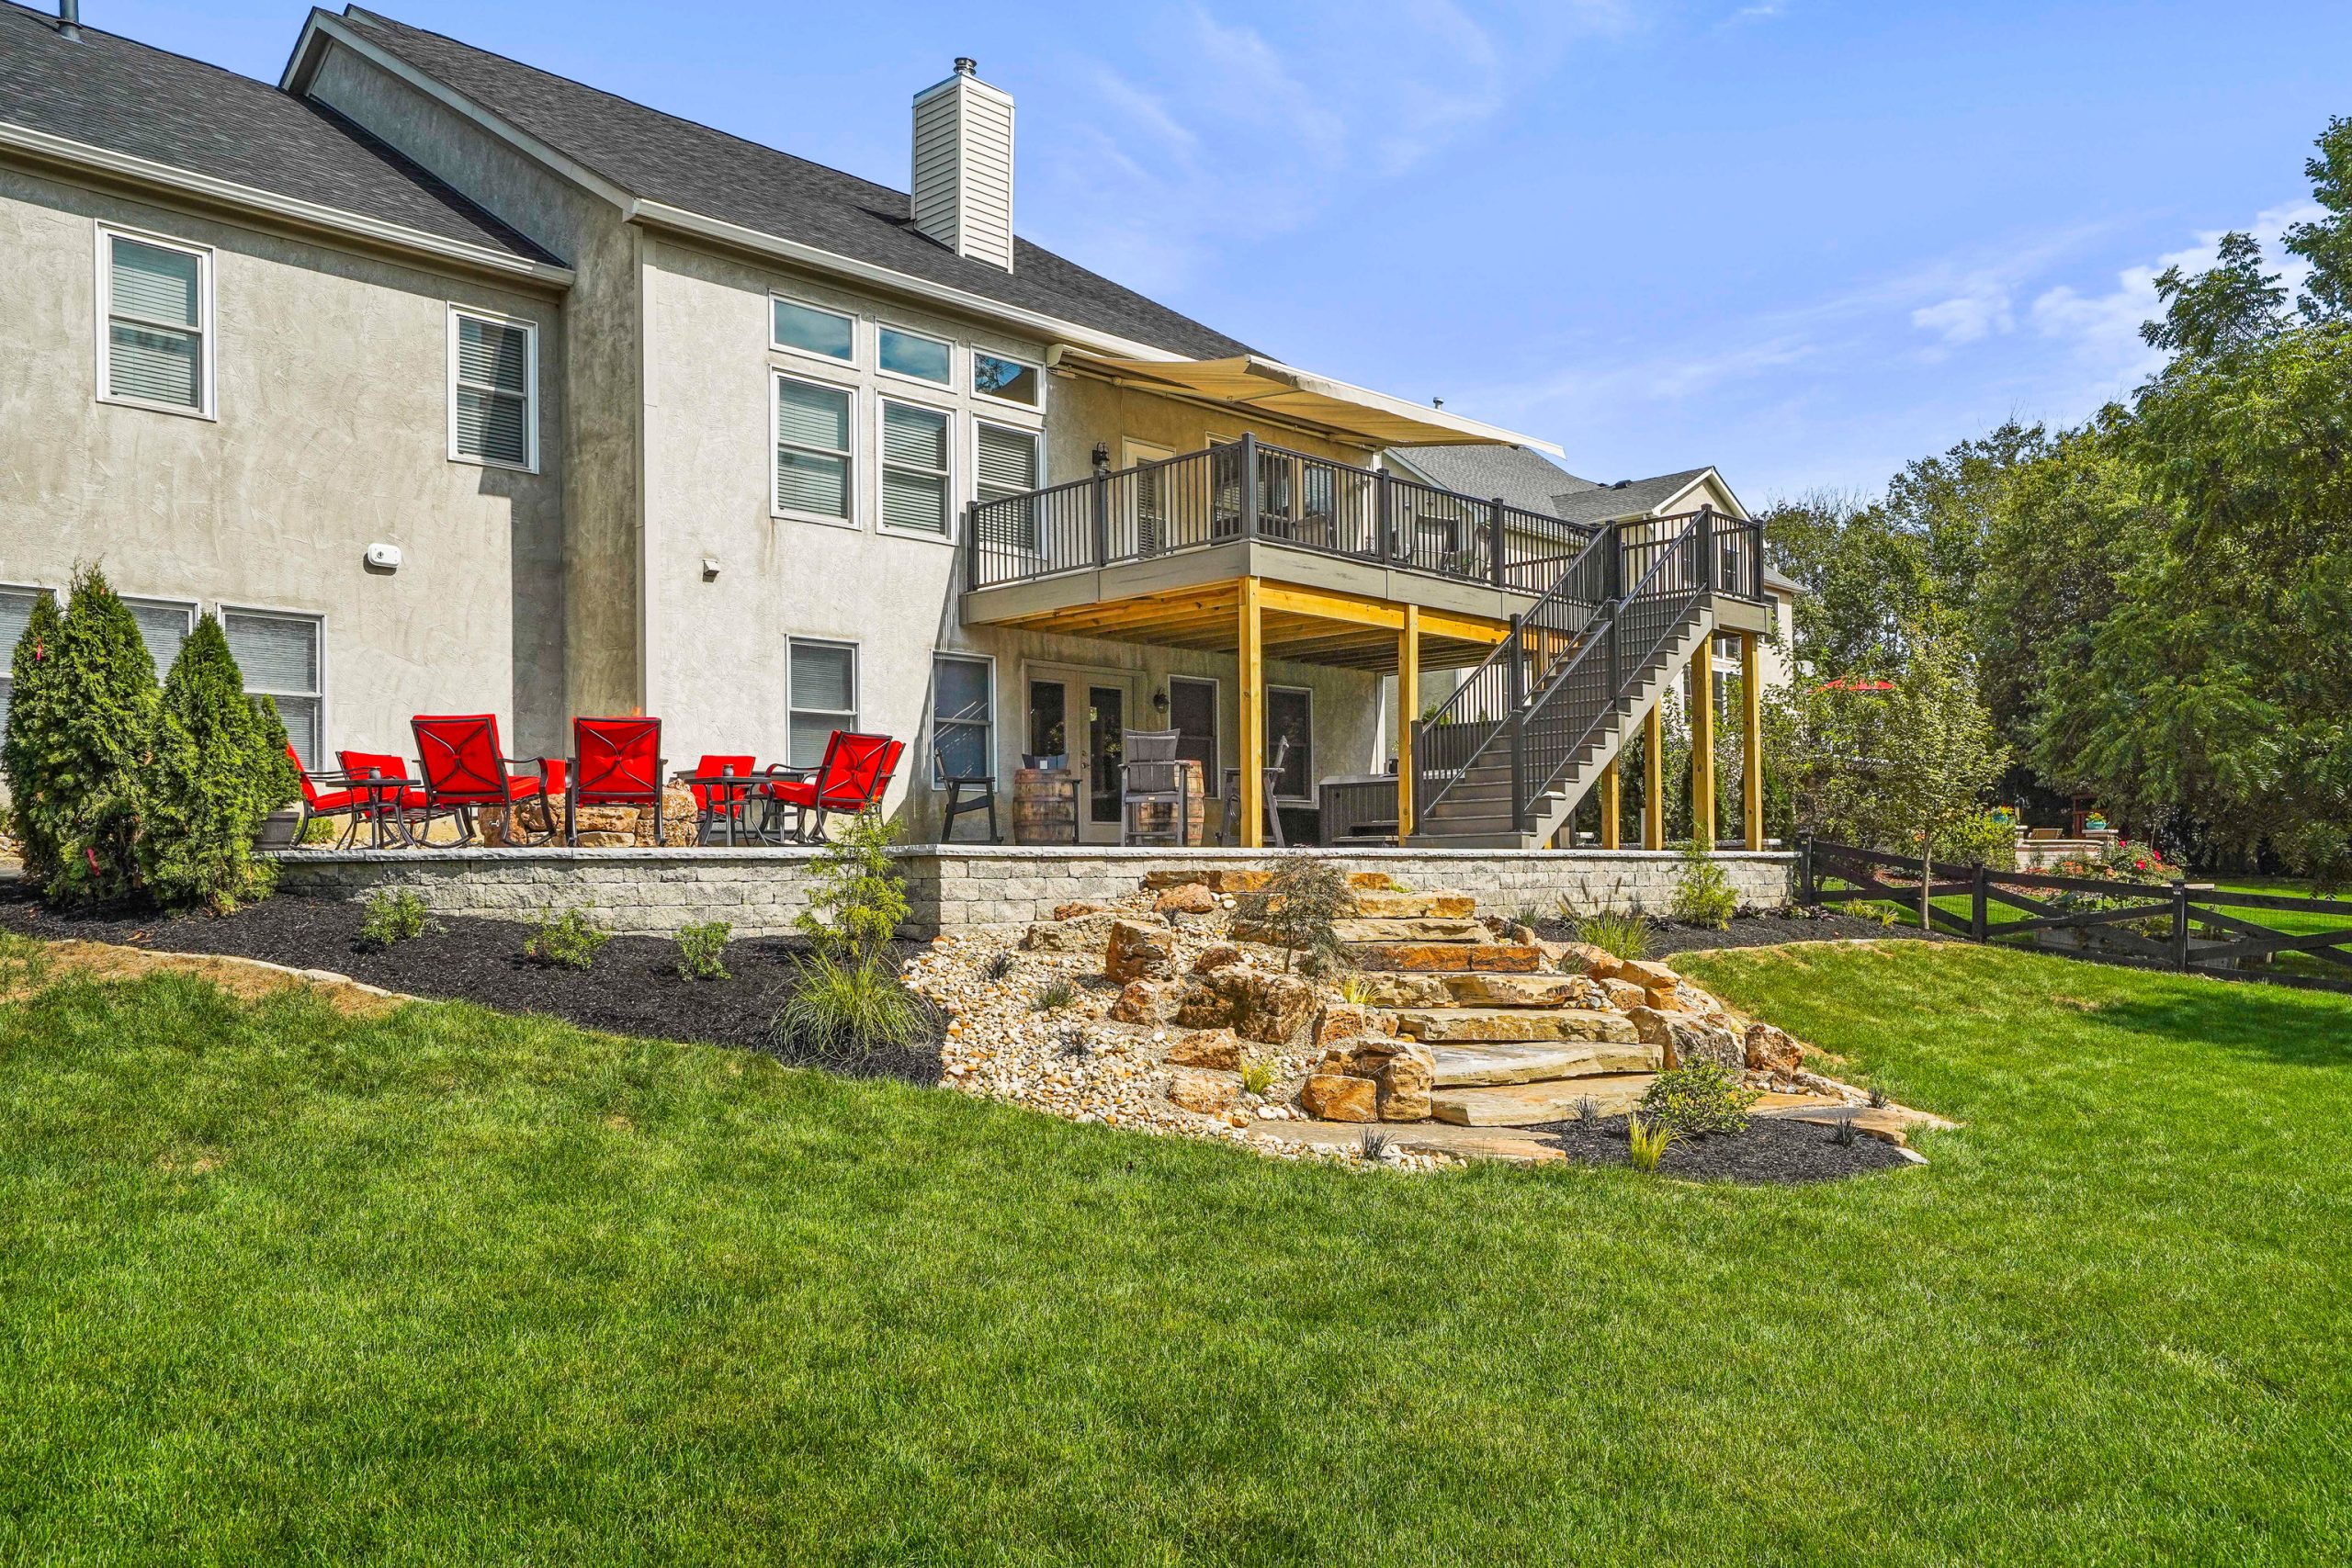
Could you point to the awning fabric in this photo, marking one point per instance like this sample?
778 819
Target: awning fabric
1248 381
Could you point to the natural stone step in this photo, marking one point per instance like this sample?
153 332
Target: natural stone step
1508 991
1430 929
1416 1138
1412 958
1476 1066
1462 1025
1415 906
1524 1104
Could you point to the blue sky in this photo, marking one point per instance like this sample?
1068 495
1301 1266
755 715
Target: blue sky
1802 240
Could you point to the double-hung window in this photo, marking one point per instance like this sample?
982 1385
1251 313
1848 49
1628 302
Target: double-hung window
1008 464
963 719
914 467
494 391
823 679
155 338
16 614
280 655
163 624
812 450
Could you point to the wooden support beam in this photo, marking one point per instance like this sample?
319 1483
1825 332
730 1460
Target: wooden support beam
1253 784
1702 743
1751 743
1409 712
1653 780
1612 806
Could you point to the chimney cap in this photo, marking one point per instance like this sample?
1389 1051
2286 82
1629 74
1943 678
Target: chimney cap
966 67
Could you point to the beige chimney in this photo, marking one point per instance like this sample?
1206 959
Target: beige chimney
963 166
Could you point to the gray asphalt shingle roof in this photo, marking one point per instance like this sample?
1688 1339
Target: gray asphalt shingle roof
111 92
1603 504
660 157
1523 477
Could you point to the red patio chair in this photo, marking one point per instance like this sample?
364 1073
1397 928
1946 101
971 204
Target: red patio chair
329 795
465 770
394 808
715 803
856 771
615 761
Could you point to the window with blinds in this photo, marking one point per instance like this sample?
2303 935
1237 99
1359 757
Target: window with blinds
914 468
1008 466
812 458
494 378
158 315
163 624
16 614
822 680
279 657
963 719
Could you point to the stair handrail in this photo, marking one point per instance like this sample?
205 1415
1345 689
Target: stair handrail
1493 682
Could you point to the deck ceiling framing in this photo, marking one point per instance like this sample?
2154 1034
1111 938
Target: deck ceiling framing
1307 625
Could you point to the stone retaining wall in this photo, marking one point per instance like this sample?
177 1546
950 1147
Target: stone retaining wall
655 891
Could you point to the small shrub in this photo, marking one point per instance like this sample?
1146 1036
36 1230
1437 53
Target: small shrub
847 1010
568 940
1702 894
1054 995
1697 1100
394 915
1619 933
1644 1144
1373 1145
858 900
321 831
1258 1075
998 967
1303 896
702 951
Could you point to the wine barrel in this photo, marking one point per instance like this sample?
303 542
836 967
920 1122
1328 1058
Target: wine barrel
1152 818
1044 806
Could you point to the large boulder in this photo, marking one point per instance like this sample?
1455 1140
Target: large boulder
1332 1097
1216 1049
1404 1083
1345 1021
1649 975
1191 899
1257 1004
1581 958
1136 951
1770 1050
1140 1001
1687 1039
1072 912
1210 1093
1217 957
1081 933
1623 995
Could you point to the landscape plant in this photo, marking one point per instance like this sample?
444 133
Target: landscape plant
212 776
393 915
1055 994
1697 1100
702 949
846 1004
1621 933
1297 909
568 941
1704 896
1259 1074
34 731
1646 1143
843 1011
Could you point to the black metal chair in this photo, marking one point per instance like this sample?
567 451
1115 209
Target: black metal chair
1150 775
1271 773
982 790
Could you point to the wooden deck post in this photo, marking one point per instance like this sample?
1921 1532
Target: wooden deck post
1409 715
1702 744
1611 805
1751 743
1653 780
1252 787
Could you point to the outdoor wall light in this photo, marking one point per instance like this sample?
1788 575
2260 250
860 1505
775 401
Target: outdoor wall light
1102 456
1159 702
710 568
383 558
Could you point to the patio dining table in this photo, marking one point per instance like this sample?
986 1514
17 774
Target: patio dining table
727 798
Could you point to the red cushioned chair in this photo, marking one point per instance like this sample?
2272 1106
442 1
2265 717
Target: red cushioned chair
615 761
851 778
396 809
717 803
465 770
330 794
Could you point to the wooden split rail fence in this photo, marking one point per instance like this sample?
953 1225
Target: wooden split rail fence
2189 927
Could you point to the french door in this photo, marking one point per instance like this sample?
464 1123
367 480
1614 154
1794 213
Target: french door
1082 713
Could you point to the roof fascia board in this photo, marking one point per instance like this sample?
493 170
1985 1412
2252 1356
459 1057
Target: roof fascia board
1663 508
736 236
1324 386
43 147
322 27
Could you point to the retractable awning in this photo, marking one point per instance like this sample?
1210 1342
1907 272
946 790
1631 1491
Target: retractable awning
1249 382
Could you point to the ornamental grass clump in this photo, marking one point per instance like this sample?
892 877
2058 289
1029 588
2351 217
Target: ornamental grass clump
1697 1100
843 1011
1646 1143
1621 933
568 940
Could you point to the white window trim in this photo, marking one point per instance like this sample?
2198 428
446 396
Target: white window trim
882 400
856 489
1308 692
1213 781
856 331
530 389
208 353
937 389
1036 410
195 607
792 646
938 786
223 610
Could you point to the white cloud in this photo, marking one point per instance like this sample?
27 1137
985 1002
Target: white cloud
1968 317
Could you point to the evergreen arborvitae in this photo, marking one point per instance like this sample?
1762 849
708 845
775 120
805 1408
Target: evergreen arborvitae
102 692
206 789
274 777
32 737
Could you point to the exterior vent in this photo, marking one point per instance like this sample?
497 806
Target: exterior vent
963 166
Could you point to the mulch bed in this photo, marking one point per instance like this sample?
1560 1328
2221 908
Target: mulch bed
1762 927
1771 1151
633 988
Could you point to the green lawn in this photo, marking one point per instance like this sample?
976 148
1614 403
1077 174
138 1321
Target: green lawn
446 1287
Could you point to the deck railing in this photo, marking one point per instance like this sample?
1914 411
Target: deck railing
1247 489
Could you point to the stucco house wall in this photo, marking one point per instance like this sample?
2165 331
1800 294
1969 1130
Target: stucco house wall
330 433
